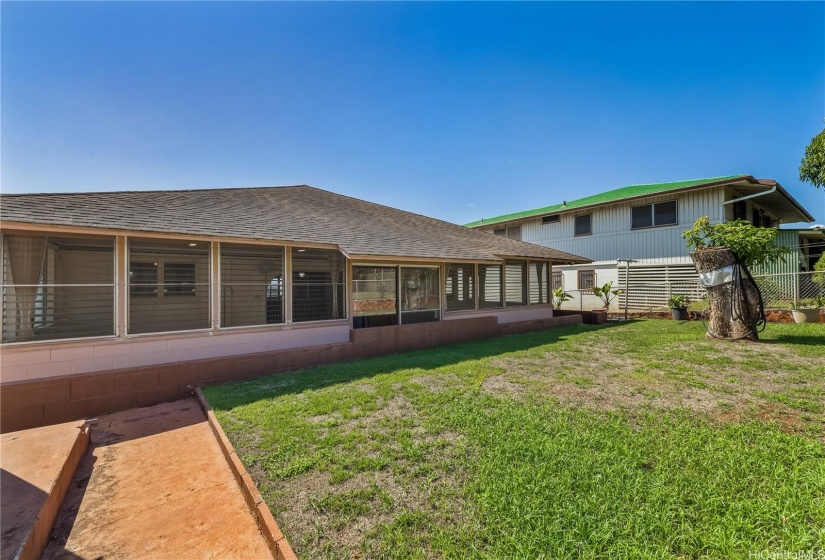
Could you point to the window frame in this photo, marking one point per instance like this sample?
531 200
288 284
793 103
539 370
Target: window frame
653 214
581 273
589 225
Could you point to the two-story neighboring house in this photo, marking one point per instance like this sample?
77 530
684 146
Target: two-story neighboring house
644 224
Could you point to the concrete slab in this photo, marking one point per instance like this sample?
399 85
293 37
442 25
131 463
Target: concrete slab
155 484
36 467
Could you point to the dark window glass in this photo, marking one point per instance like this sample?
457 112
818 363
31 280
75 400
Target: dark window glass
252 285
641 216
317 285
582 225
179 279
665 213
143 279
170 282
740 210
554 219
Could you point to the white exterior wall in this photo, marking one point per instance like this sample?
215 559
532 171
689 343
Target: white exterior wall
38 360
612 237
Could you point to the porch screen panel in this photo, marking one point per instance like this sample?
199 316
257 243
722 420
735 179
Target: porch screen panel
460 288
168 285
539 282
515 274
252 285
317 285
489 285
57 287
419 292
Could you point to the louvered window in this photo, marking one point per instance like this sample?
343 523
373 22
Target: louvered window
582 225
489 285
516 282
654 215
168 285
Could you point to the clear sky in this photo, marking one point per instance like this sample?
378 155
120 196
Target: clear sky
454 110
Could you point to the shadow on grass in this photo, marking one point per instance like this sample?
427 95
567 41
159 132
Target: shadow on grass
226 397
800 339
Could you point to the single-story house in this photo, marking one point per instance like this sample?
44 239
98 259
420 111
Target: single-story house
633 234
117 299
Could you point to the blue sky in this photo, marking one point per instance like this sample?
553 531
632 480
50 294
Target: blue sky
454 110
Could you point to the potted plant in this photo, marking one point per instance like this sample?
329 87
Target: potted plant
559 297
607 294
807 311
678 307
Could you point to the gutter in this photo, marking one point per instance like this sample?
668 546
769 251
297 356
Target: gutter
773 190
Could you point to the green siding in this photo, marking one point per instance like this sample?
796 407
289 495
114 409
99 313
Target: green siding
788 238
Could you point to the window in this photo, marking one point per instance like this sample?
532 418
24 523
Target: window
557 280
538 282
554 219
582 225
510 232
317 285
143 279
419 292
489 285
252 285
374 296
740 210
587 279
460 288
178 279
653 215
168 285
515 279
57 287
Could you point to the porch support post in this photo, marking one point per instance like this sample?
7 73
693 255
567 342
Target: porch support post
121 285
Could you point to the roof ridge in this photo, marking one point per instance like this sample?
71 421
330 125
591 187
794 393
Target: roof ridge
201 189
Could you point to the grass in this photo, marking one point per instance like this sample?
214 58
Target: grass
641 439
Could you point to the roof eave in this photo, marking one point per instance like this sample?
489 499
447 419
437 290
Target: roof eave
494 221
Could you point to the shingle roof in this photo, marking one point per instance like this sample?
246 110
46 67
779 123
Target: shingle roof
299 214
631 191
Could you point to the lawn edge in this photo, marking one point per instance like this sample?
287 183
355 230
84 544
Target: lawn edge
277 542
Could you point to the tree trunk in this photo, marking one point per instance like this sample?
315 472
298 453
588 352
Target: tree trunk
734 307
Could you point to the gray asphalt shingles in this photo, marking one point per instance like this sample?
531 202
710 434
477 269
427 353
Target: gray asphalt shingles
292 214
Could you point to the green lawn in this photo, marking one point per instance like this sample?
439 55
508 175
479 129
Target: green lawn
642 439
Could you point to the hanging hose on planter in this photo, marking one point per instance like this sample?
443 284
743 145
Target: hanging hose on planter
741 306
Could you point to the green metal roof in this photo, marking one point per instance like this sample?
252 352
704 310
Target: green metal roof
631 191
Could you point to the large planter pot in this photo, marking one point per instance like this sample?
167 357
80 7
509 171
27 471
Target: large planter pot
807 315
599 316
679 313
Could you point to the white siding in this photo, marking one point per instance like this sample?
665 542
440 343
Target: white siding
612 237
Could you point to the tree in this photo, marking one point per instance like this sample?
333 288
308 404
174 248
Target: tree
812 168
819 271
722 253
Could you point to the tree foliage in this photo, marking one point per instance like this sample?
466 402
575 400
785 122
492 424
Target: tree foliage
753 246
819 271
812 168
